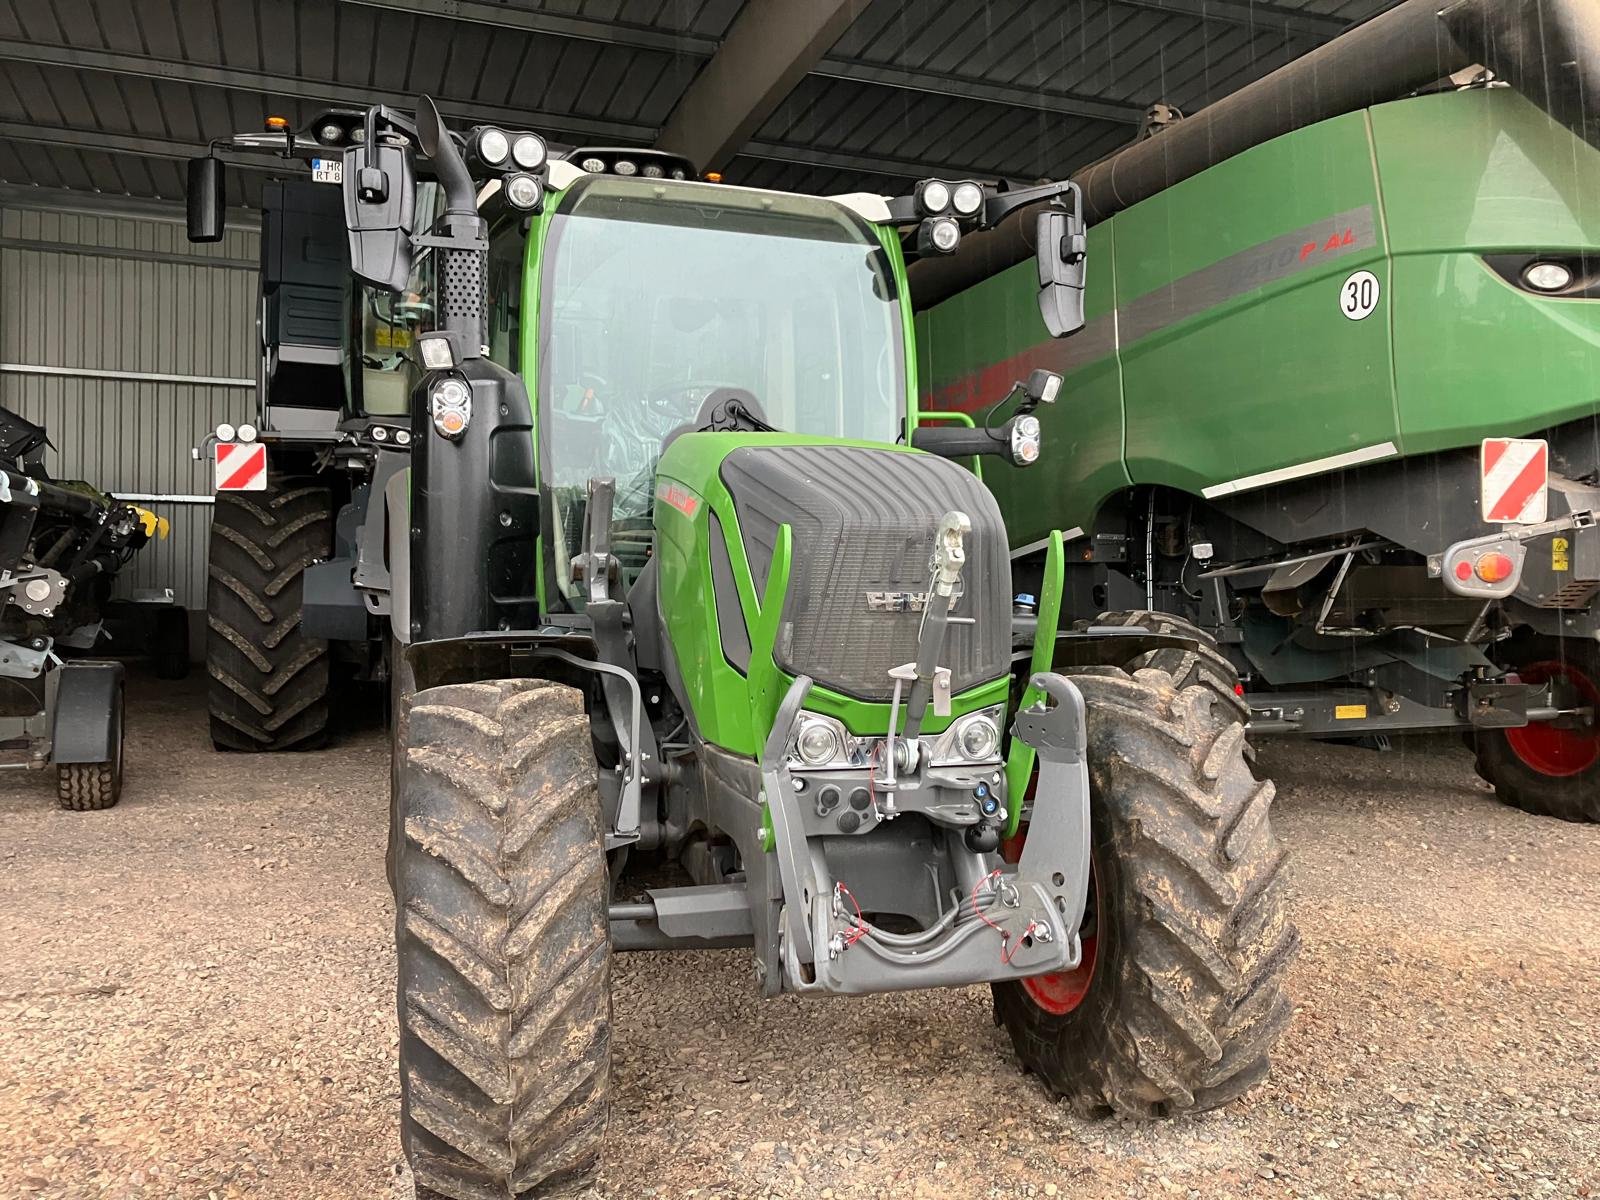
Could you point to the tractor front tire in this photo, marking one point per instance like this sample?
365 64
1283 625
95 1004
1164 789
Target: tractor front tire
1181 995
1204 664
503 943
1542 769
269 682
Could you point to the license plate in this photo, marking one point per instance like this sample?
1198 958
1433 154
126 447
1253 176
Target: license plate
327 170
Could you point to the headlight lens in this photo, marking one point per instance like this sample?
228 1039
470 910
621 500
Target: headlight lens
652 171
935 197
493 146
979 738
974 738
626 166
595 166
1547 277
528 151
817 744
330 134
968 199
524 191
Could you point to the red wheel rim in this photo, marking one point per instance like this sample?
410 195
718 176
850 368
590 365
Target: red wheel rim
1060 992
1558 753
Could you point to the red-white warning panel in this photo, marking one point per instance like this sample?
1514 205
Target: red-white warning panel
1516 481
241 467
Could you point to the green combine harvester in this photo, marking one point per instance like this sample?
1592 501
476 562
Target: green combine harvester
1337 400
701 639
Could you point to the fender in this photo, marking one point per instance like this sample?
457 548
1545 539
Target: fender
87 727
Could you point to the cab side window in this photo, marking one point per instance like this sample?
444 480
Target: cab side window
507 245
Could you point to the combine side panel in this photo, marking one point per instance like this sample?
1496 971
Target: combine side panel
1464 176
1243 351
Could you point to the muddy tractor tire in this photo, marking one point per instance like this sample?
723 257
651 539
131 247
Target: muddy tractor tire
1204 665
1544 769
1180 996
269 682
503 943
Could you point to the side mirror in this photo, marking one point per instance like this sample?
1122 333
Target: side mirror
380 193
1060 246
207 196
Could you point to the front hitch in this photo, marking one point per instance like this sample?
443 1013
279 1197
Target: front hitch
1002 924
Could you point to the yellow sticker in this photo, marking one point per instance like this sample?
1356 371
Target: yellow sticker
1349 712
391 336
1560 558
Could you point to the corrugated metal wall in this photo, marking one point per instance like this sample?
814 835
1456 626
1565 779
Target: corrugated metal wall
128 344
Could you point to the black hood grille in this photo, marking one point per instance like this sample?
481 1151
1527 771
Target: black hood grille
863 522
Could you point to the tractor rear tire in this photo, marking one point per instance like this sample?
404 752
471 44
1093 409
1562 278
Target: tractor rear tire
269 682
1182 994
503 943
1540 769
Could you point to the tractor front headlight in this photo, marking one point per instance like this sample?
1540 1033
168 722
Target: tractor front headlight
974 738
817 744
819 741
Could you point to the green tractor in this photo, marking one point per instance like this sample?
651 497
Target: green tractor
1336 400
704 641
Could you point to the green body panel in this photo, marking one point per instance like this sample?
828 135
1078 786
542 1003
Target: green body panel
1505 361
1229 355
1271 375
731 710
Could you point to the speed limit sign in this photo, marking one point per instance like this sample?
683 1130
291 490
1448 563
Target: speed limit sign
1358 296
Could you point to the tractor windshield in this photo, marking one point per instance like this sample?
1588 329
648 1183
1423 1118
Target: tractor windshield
657 293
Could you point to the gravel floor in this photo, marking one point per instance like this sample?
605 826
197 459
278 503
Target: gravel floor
196 1001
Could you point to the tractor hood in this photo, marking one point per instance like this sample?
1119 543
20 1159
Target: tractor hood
862 520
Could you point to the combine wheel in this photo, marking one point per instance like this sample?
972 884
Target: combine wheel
1547 769
1186 944
503 945
269 682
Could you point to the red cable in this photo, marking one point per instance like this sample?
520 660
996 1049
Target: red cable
861 928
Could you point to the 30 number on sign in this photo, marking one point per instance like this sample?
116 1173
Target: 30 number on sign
1358 296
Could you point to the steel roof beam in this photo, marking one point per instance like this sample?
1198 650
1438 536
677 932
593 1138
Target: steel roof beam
297 88
1268 18
977 89
770 47
812 156
477 12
